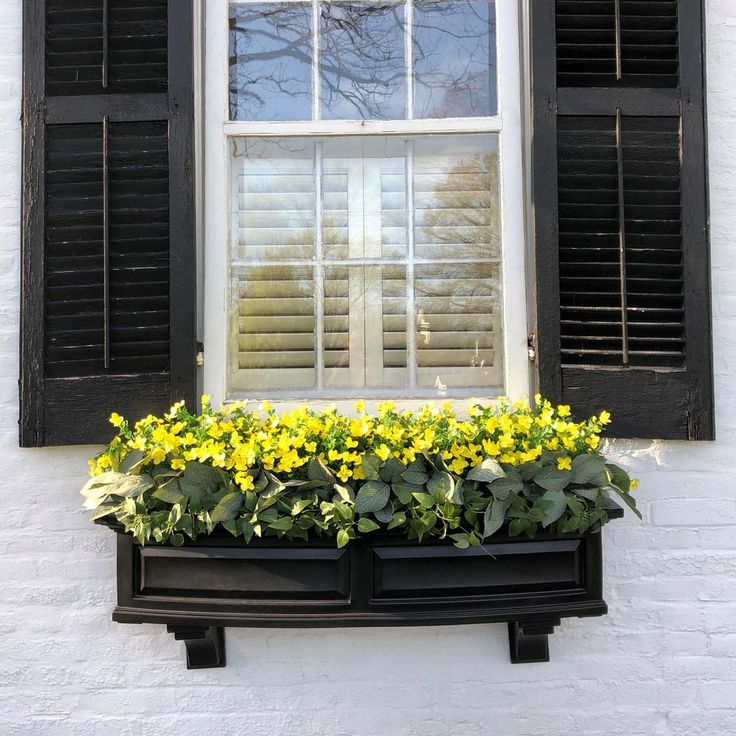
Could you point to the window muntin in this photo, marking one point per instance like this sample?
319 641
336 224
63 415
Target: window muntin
365 264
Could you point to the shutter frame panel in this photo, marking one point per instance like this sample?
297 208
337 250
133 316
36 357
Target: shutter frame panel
672 397
142 313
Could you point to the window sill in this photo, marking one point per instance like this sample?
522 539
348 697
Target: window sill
218 581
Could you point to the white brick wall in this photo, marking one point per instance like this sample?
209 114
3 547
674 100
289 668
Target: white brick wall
663 663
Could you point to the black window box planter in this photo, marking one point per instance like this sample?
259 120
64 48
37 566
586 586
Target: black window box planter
380 580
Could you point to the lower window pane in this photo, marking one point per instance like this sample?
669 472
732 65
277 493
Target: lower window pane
365 266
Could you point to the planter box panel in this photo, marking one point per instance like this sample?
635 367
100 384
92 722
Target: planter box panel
494 569
237 573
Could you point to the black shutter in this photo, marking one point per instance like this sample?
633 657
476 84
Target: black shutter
620 210
108 290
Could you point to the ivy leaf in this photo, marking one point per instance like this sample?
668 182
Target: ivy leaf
103 510
552 479
372 496
588 469
556 506
299 505
494 517
227 508
282 524
318 471
342 538
366 525
628 499
346 493
177 540
371 466
132 462
487 471
416 473
426 500
397 519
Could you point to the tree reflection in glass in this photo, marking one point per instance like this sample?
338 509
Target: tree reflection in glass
271 61
454 58
362 64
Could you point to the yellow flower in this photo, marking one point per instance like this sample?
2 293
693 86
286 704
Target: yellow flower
383 452
593 441
158 455
266 406
564 463
205 400
563 410
115 419
344 473
360 406
604 417
245 481
458 465
178 464
634 484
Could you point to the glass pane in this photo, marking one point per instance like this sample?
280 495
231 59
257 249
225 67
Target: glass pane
401 283
362 61
458 319
272 333
364 197
273 195
456 198
454 58
365 326
270 61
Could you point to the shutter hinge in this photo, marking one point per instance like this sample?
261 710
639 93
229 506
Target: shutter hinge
200 354
531 346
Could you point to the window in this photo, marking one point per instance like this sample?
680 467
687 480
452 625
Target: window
364 200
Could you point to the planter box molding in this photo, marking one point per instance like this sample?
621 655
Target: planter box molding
218 581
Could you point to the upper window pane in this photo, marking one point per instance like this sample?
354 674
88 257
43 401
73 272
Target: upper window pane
363 68
270 61
454 58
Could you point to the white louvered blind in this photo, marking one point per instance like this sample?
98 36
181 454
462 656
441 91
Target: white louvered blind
365 266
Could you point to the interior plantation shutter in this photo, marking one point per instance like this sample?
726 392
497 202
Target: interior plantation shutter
620 210
108 275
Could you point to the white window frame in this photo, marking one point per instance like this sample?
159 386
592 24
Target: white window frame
508 124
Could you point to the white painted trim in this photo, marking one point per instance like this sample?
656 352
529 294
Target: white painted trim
508 124
304 128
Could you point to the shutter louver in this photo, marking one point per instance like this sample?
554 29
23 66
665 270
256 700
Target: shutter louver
621 213
108 231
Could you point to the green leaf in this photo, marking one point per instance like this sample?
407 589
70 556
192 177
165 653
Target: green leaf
618 477
342 538
346 493
132 462
197 481
371 467
385 514
502 488
397 519
527 471
416 473
115 484
372 496
177 540
487 471
299 505
366 525
552 479
588 469
104 510
462 541
318 471
426 500
628 499
246 529
227 508
590 492
392 470
282 524
574 505
517 526
403 491
556 506
494 517
168 494
442 486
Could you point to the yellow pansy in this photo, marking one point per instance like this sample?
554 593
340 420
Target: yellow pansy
564 463
115 419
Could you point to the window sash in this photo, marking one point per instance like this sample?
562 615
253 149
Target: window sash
219 129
